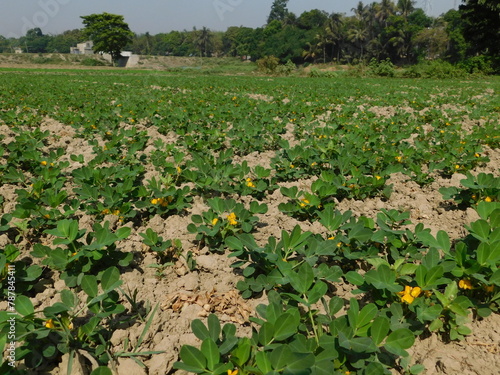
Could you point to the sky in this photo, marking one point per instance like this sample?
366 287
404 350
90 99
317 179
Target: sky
156 16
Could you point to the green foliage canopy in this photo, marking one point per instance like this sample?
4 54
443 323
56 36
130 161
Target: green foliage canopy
109 32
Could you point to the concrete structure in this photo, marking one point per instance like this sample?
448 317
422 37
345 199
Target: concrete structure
84 48
127 59
18 50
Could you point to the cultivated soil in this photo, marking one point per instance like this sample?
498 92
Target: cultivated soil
185 295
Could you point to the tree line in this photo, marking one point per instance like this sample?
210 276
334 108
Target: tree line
398 31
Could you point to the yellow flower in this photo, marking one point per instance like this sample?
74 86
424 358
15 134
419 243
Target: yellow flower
487 199
232 219
233 372
331 238
50 324
457 166
154 201
407 298
465 284
399 158
214 221
415 292
44 163
476 155
250 183
489 288
314 164
441 131
178 169
292 166
105 211
378 177
409 294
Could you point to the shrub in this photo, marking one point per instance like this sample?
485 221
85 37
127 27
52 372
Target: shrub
434 69
268 64
477 65
286 69
384 68
316 73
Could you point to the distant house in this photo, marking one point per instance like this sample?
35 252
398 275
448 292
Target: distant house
84 48
18 50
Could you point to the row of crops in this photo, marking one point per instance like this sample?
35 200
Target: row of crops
159 142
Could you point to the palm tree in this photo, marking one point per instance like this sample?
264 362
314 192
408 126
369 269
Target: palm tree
202 39
311 52
359 11
333 31
357 35
385 9
406 7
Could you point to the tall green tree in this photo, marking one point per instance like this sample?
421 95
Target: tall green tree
279 11
406 7
35 41
203 40
109 32
482 26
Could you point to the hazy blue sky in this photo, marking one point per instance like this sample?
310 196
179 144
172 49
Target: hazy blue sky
155 16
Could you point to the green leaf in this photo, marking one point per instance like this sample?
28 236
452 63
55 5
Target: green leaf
200 330
241 353
211 353
417 369
335 305
286 326
318 290
266 333
89 285
213 327
110 279
401 338
300 361
480 230
374 368
102 370
193 357
123 233
263 362
366 315
354 278
280 357
379 329
302 280
495 278
68 298
24 305
444 241
234 243
383 278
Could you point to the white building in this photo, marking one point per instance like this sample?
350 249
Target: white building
84 48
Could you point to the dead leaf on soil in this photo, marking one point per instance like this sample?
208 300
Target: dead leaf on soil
229 303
